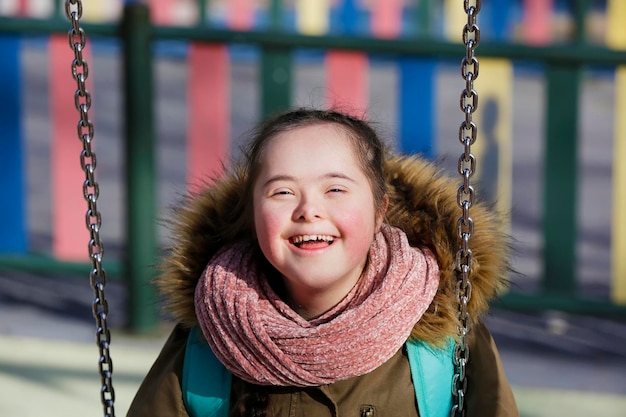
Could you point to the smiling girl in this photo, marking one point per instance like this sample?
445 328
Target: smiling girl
318 279
314 214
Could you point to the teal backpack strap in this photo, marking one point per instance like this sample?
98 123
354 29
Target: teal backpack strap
206 382
432 370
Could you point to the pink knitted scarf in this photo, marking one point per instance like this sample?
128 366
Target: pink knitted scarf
260 339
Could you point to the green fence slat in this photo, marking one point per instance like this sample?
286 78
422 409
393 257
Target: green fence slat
49 266
581 13
275 15
572 53
424 18
140 168
574 304
276 80
560 179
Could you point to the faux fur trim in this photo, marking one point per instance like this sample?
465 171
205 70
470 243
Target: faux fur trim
423 203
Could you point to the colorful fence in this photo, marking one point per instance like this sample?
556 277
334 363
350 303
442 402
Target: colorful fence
418 37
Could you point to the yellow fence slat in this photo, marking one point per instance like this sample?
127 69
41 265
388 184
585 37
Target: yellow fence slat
616 38
455 20
618 247
312 16
96 12
494 118
615 30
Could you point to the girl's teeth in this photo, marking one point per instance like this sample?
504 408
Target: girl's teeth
309 238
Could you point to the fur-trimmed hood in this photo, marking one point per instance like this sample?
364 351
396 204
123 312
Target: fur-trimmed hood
422 202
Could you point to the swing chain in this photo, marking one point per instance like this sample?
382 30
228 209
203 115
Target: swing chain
91 191
465 199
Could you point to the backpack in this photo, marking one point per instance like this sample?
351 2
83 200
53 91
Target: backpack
432 371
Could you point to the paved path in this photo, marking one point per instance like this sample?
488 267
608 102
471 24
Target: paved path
557 364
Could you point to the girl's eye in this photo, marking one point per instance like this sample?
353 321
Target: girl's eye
282 191
336 190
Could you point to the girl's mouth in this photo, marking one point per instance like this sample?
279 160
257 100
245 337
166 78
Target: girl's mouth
312 241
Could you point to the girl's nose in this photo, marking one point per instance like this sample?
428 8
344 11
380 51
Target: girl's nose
308 210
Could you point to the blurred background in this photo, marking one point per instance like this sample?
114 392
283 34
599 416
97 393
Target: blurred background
174 87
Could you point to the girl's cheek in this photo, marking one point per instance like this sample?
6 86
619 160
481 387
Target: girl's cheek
267 221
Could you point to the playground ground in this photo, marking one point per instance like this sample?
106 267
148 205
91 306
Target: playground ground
558 364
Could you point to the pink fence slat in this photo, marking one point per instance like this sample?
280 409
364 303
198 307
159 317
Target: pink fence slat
69 233
538 21
22 8
240 14
209 112
347 81
162 11
386 18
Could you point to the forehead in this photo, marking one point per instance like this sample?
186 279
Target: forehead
318 144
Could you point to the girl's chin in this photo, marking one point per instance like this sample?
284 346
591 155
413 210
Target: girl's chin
316 286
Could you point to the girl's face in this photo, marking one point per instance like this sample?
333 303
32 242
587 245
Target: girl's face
314 215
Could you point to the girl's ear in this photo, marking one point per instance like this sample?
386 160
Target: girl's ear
380 216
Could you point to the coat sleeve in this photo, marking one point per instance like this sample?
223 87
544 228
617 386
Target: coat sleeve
488 392
160 393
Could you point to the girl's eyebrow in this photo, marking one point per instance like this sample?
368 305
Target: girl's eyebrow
278 178
330 175
340 175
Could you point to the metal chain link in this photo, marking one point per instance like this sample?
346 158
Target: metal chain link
465 199
91 191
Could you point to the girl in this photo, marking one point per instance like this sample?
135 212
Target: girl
318 280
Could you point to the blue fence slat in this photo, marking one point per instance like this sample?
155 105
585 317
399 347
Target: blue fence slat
12 217
416 106
500 23
348 18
